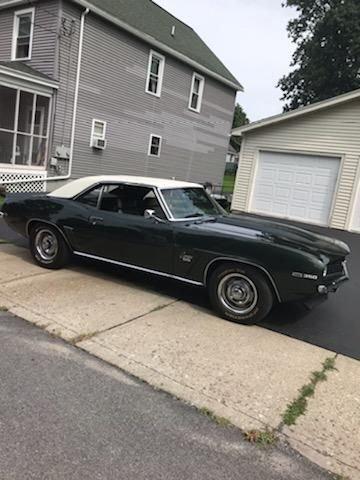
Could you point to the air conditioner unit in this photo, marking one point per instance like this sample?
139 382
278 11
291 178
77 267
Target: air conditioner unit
99 143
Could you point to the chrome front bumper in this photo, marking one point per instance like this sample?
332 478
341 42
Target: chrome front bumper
329 285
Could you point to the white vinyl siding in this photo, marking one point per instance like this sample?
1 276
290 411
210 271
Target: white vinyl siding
329 132
155 74
196 92
23 34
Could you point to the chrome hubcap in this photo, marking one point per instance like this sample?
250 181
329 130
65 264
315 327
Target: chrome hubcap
46 245
237 293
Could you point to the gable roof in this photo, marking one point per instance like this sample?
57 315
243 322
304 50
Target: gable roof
331 102
149 21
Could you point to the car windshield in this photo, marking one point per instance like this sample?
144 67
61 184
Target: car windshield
190 203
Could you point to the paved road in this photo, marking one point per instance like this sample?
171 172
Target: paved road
334 324
66 415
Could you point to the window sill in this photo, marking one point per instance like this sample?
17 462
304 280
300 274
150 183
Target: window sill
194 110
20 59
157 95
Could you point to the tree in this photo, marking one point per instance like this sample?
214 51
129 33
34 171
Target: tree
327 57
240 118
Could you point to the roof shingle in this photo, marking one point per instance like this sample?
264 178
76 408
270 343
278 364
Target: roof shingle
151 19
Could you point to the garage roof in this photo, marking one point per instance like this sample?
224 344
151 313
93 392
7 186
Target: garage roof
331 102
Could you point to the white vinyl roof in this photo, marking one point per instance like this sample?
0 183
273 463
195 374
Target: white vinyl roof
77 186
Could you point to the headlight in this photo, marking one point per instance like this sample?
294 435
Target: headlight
325 271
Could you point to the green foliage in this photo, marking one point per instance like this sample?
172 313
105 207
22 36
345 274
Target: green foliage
264 438
299 405
223 422
327 57
240 118
229 183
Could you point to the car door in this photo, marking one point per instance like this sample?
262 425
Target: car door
117 230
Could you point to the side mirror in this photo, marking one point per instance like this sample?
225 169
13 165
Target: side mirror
149 214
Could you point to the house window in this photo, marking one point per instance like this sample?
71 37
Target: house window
154 146
98 131
155 74
24 127
22 34
196 93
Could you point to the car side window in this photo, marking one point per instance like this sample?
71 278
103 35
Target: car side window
129 200
91 197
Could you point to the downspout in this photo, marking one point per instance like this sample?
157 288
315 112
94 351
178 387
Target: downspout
75 104
76 95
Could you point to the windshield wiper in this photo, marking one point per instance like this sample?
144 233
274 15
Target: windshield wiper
195 215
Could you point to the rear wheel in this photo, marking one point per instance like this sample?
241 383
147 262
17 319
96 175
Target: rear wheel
48 247
240 293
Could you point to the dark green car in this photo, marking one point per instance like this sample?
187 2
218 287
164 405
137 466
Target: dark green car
176 230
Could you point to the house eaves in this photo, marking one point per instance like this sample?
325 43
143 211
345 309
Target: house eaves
229 81
24 72
282 117
204 61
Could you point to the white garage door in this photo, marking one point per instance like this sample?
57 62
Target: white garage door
300 187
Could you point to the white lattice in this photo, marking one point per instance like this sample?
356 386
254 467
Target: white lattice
22 186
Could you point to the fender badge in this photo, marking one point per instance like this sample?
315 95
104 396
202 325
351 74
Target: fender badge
186 258
306 276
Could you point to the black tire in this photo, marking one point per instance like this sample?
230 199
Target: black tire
240 293
48 247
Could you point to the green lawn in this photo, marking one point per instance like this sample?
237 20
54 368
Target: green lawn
228 183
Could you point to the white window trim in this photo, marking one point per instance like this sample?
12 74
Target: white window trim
16 132
161 73
154 135
16 32
103 136
201 92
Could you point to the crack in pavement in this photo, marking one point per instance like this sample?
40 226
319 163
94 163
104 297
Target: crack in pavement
19 279
164 375
105 330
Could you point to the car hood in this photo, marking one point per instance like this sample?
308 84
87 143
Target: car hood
276 232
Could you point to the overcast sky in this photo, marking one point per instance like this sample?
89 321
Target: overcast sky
250 38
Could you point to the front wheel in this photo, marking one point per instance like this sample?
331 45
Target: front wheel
240 293
48 247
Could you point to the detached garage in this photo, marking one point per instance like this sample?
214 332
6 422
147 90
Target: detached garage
303 165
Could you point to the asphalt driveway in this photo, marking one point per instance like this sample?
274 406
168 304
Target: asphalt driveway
333 324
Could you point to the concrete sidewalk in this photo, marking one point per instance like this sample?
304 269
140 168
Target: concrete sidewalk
246 374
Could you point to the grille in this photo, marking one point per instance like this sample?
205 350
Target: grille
22 187
335 267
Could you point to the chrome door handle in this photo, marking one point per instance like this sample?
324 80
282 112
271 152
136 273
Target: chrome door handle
95 220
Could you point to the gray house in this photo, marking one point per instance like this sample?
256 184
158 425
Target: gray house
108 87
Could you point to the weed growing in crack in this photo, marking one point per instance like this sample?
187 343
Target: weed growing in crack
223 422
299 405
263 438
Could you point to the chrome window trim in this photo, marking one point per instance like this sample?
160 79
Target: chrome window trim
104 184
173 219
136 267
246 262
158 194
